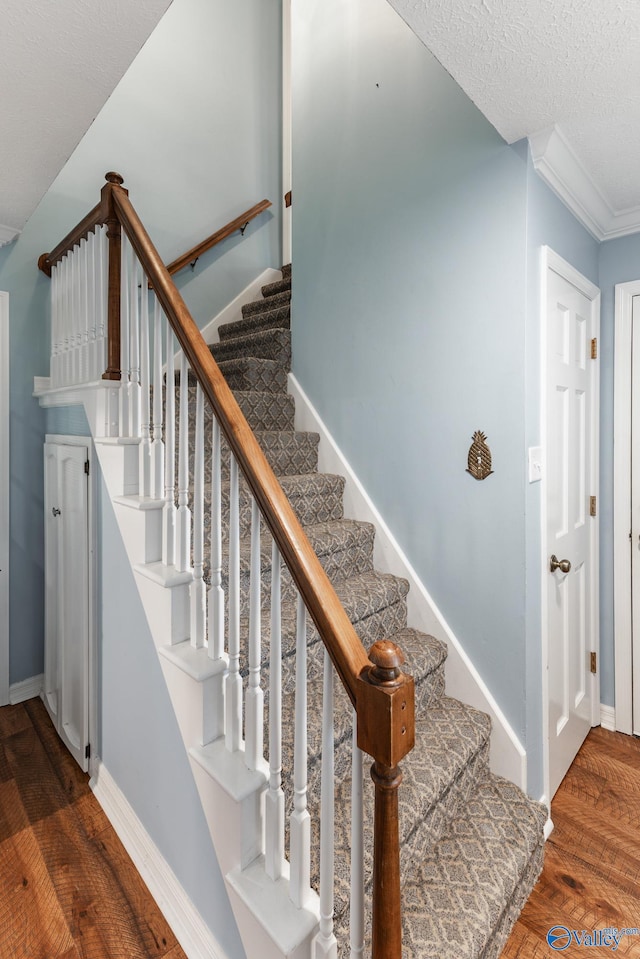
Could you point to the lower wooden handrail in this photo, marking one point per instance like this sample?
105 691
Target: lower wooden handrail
239 223
381 693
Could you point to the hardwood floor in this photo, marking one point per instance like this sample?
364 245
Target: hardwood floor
68 889
592 858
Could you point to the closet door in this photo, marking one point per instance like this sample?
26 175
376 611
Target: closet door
67 595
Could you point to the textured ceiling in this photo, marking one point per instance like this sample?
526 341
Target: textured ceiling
529 64
59 61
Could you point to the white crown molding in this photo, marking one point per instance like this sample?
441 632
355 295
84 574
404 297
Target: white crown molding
7 234
561 169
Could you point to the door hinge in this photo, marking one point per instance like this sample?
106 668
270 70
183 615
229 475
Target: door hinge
86 467
593 506
594 348
87 751
288 199
594 662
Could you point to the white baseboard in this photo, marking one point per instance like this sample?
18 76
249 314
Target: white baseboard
608 717
26 689
187 924
233 310
508 756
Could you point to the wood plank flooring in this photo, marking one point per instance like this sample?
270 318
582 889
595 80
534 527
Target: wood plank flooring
591 876
68 889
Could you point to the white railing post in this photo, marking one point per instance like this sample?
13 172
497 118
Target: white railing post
125 389
324 944
157 445
274 800
134 332
92 315
216 594
169 510
183 524
101 302
356 903
300 822
197 588
55 326
145 389
255 698
233 686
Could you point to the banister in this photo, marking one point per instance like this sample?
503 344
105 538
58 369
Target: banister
383 696
239 223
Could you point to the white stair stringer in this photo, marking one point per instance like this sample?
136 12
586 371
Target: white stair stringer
232 796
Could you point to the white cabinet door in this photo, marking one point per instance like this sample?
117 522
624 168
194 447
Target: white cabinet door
67 596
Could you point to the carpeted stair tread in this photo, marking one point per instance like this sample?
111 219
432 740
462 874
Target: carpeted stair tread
278 287
254 373
267 344
460 892
286 269
288 452
267 303
314 497
344 547
264 412
265 320
424 659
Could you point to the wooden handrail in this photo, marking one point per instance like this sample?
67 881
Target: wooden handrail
239 223
383 696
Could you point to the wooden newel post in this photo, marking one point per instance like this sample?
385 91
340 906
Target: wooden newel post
112 371
386 731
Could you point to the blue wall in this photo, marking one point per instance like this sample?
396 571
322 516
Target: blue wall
409 311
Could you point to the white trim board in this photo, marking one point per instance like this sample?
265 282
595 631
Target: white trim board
5 475
563 172
622 632
549 260
26 689
187 924
508 757
607 717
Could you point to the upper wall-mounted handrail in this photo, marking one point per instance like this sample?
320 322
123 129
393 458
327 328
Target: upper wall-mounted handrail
239 223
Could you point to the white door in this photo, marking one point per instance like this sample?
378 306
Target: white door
67 595
571 530
4 499
635 511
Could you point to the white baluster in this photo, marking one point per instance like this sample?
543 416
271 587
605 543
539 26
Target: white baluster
324 943
65 265
216 593
134 332
254 725
92 316
75 316
55 324
101 301
198 589
300 822
125 401
274 800
157 446
83 258
169 510
183 525
233 686
145 388
356 904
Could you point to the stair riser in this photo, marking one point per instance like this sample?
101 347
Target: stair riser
273 380
280 286
274 319
294 458
269 345
319 507
263 412
267 304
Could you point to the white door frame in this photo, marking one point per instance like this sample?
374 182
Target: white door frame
549 260
5 475
93 619
287 134
622 383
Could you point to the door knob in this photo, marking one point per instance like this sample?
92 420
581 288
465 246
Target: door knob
562 564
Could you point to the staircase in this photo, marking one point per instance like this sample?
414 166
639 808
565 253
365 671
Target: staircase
471 842
269 704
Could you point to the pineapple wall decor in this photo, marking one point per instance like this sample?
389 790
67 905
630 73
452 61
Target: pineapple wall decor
479 459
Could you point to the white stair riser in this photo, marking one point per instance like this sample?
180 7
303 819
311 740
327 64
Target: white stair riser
141 531
256 936
196 704
167 609
236 826
119 463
